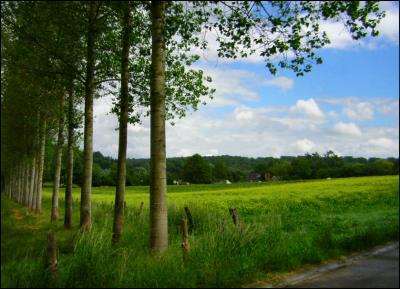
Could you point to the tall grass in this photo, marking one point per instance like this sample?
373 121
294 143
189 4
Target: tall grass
278 233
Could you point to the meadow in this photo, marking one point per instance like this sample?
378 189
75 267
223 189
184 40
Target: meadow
284 225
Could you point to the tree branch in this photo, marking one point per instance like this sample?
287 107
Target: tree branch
107 80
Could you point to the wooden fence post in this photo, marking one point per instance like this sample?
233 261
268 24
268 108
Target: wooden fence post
51 252
141 209
235 216
190 219
185 240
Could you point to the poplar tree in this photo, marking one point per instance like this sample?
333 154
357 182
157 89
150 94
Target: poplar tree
285 30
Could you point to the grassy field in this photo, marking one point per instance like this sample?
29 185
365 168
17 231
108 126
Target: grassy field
284 225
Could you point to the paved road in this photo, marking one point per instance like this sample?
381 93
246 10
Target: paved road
378 271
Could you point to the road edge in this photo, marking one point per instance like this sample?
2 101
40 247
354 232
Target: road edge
317 270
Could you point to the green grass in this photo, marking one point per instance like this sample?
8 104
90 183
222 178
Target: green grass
285 225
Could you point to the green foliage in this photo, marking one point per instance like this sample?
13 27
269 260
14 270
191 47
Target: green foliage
380 167
285 33
232 168
220 171
197 170
186 87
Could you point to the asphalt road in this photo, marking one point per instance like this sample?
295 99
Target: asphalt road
377 271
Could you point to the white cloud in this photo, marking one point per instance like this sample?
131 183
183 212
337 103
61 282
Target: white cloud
243 113
246 131
382 142
298 123
220 101
349 129
240 129
389 107
338 35
365 109
281 82
231 85
210 54
184 152
236 85
361 111
332 113
389 26
305 145
308 107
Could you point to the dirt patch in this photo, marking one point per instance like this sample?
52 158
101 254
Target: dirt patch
17 214
34 222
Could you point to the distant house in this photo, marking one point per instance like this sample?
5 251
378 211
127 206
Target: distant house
180 182
276 178
228 182
254 177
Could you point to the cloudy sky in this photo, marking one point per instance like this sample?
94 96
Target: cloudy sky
349 104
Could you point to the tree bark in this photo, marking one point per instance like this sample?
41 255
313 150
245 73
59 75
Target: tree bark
14 183
123 129
32 188
7 184
158 184
185 240
52 262
86 191
70 163
16 178
35 190
12 177
57 163
27 182
36 156
9 190
20 183
41 166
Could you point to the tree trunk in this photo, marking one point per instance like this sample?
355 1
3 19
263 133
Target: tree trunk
7 183
158 184
52 262
123 129
23 179
70 163
35 164
11 180
35 190
57 163
19 179
16 190
10 184
86 191
32 188
14 183
41 167
27 182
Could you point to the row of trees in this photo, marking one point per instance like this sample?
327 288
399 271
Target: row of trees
59 55
204 170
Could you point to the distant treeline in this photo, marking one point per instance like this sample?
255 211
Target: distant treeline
210 169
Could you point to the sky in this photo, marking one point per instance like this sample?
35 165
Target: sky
349 104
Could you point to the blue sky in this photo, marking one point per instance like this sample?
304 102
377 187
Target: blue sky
348 104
